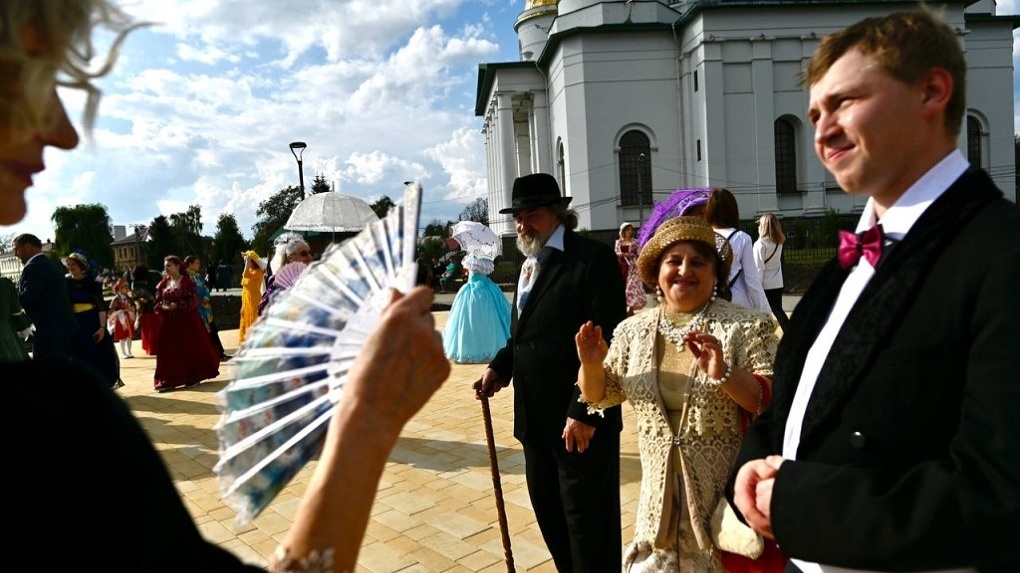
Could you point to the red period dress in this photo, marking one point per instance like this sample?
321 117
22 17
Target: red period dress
185 356
122 316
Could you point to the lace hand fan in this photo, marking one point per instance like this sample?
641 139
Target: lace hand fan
293 364
289 273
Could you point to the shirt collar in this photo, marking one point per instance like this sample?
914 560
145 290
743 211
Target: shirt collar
899 218
556 239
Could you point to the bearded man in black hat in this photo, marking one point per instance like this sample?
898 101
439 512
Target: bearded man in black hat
572 458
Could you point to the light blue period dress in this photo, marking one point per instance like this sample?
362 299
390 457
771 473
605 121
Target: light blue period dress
479 321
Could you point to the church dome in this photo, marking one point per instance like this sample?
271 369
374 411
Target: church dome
529 4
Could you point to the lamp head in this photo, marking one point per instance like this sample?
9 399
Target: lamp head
296 146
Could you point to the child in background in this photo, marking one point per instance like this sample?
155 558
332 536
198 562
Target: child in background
121 318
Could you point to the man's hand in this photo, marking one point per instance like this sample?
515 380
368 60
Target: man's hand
488 384
752 493
577 434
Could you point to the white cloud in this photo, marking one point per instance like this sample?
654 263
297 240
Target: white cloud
200 108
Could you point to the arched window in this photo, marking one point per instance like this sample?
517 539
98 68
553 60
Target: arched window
974 141
786 157
635 169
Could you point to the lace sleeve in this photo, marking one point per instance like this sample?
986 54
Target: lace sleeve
615 365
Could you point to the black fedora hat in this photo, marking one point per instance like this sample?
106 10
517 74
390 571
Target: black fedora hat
535 190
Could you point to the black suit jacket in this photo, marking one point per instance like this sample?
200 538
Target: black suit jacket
578 284
42 292
910 448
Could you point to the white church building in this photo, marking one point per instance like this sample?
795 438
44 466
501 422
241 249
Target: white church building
626 101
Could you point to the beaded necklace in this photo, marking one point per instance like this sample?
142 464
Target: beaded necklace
676 335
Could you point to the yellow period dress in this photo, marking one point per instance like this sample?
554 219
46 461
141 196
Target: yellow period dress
251 294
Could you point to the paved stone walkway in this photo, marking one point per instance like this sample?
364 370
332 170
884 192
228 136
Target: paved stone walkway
434 510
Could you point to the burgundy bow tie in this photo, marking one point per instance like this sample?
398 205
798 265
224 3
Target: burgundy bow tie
868 244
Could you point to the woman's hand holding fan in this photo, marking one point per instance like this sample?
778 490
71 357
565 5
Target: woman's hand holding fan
294 362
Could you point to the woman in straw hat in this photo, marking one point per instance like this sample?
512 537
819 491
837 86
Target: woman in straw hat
89 307
252 280
690 368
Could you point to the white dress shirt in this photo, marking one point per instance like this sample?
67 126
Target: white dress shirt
747 290
896 222
530 269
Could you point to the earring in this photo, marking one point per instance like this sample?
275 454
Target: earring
715 293
658 294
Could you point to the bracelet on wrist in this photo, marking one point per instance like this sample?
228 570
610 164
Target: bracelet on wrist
725 377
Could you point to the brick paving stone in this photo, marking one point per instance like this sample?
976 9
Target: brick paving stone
435 508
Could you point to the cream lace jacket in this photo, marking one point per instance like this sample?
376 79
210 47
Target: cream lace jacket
711 433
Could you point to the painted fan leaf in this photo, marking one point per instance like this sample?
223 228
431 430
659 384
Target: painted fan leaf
293 364
289 273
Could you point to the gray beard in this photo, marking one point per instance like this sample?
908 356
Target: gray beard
530 249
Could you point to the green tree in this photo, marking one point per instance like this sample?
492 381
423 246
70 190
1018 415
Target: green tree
160 244
432 247
273 214
320 185
84 228
382 206
187 233
189 221
477 211
437 228
228 242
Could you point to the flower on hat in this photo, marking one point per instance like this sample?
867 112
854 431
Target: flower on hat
676 205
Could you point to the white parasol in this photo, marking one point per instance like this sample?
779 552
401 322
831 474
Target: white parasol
477 239
331 212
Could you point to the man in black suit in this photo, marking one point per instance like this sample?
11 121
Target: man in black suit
572 459
893 441
42 292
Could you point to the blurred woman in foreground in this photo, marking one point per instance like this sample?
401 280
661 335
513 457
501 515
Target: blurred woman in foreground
124 479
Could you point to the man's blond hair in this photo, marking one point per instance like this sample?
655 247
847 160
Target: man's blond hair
908 45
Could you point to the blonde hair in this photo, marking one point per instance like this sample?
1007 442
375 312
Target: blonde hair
772 229
65 29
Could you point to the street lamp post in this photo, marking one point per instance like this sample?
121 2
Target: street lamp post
640 192
298 149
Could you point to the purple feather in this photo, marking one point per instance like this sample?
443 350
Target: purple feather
676 205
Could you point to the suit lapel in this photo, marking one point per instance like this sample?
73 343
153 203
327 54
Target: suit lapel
546 276
885 300
809 317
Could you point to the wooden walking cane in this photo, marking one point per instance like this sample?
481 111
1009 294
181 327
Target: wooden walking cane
497 486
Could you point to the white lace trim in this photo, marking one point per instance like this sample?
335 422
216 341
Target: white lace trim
711 434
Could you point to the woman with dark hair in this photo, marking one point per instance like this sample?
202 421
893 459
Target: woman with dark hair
143 289
626 248
89 307
722 213
185 355
693 369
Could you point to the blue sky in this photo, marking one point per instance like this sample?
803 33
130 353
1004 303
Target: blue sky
201 107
